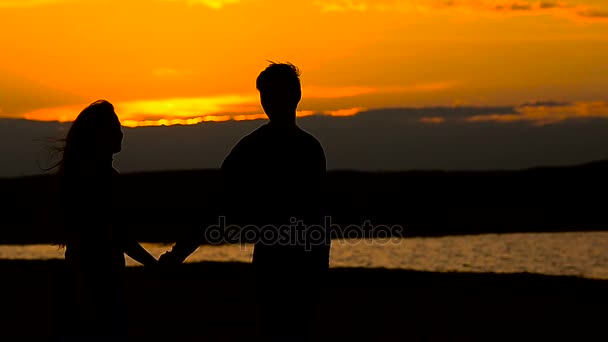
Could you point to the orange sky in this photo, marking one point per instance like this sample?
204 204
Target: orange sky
189 61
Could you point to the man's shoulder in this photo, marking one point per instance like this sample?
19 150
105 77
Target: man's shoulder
256 135
243 148
309 139
252 138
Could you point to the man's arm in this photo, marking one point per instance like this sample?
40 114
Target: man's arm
233 181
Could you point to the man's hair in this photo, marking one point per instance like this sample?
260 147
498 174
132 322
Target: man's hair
284 77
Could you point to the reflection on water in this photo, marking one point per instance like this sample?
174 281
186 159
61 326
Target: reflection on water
578 254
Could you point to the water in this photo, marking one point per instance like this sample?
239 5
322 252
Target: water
573 254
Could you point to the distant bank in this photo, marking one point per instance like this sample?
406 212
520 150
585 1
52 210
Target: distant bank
161 206
379 139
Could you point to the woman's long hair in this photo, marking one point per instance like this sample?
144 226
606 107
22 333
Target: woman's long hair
78 146
80 140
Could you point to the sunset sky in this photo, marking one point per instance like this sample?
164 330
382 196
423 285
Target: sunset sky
189 61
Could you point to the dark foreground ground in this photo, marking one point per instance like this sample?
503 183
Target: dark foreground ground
212 302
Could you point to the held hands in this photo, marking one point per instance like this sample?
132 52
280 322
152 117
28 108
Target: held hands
170 259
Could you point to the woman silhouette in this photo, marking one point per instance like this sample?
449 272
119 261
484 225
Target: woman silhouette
94 244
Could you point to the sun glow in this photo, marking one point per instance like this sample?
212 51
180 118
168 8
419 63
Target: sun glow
176 111
179 111
166 62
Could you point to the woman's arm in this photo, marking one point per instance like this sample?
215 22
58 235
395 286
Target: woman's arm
133 249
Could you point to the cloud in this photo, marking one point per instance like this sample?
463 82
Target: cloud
344 112
541 115
215 4
593 14
28 3
19 94
538 113
206 118
432 120
472 9
545 104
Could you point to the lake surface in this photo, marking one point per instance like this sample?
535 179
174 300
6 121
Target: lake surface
573 254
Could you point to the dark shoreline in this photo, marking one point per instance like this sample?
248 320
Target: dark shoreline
211 301
163 206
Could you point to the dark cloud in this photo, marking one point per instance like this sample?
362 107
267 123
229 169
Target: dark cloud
521 7
549 5
545 104
483 8
19 95
412 115
593 14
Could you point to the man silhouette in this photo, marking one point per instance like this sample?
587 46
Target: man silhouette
274 181
273 184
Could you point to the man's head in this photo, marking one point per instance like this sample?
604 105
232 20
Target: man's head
280 91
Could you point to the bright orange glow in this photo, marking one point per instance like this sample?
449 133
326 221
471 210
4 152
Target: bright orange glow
186 61
184 107
178 111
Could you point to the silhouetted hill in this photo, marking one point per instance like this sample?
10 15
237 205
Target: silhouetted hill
164 205
379 139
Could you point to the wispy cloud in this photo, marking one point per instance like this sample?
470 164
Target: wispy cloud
472 8
344 112
215 4
28 3
432 120
541 115
206 118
